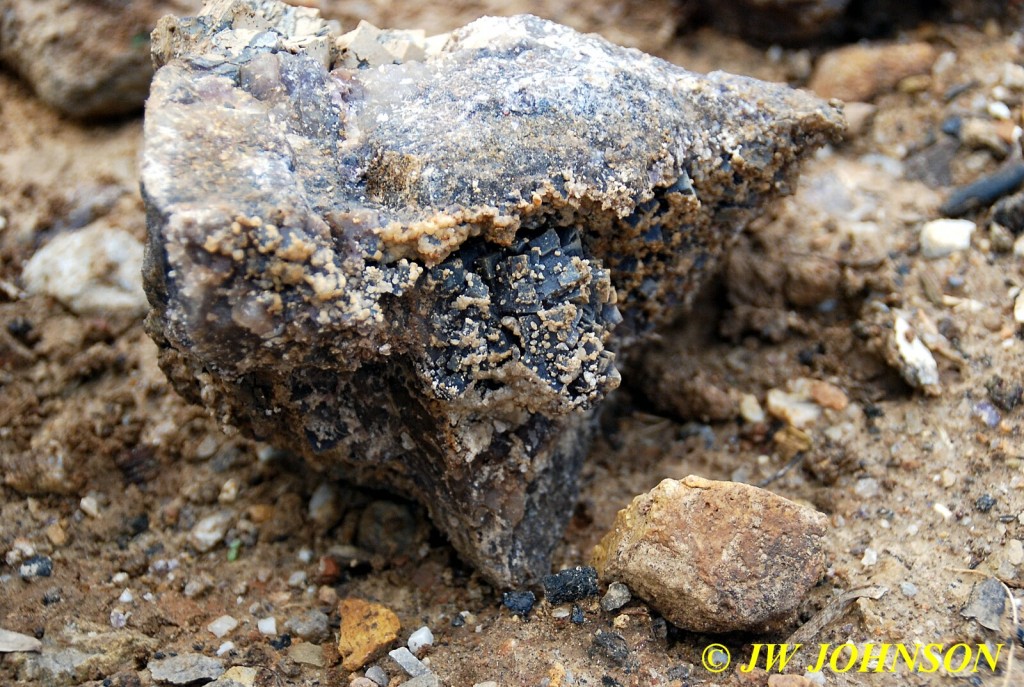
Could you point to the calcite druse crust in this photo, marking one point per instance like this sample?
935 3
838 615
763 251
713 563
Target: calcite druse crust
417 274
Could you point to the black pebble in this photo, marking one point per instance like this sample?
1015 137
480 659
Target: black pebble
36 566
985 503
520 603
610 645
281 642
570 585
458 621
577 615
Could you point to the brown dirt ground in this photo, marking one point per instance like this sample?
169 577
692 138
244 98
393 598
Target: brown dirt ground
86 412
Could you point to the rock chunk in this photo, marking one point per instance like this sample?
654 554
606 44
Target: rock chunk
93 271
185 669
417 273
862 72
715 556
572 584
367 629
87 59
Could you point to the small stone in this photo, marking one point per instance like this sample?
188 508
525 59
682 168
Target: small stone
425 680
985 503
312 626
778 680
222 626
36 566
225 648
489 683
578 616
1018 308
983 134
987 604
611 646
96 73
792 408
828 395
715 556
1015 552
184 669
298 579
420 641
362 682
407 662
570 585
90 506
942 237
15 641
239 675
866 487
862 72
751 410
520 603
389 528
93 271
210 531
869 558
281 642
267 626
366 631
617 596
909 589
986 413
325 509
310 654
561 613
912 358
57 535
377 674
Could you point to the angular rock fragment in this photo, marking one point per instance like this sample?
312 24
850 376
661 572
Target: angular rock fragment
418 273
715 556
87 59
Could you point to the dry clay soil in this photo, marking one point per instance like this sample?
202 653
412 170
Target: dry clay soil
925 494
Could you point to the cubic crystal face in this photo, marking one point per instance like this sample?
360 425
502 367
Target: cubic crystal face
417 274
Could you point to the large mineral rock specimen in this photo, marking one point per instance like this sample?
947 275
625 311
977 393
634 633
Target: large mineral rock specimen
411 273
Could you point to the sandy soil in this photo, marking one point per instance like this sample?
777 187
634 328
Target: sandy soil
106 472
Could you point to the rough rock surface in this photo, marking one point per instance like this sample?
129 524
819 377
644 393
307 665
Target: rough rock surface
367 629
412 272
87 59
715 556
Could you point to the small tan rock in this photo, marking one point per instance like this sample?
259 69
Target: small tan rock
367 629
861 72
790 681
715 556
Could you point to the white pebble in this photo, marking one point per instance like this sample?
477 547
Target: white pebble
560 612
919 367
941 509
209 531
222 626
999 110
909 589
751 410
118 618
421 640
126 596
228 491
297 579
119 577
93 271
305 555
90 506
870 557
1018 308
267 626
866 487
225 648
794 409
942 237
489 683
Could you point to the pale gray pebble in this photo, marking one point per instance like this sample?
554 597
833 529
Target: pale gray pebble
312 626
184 669
377 674
616 597
425 680
409 663
909 589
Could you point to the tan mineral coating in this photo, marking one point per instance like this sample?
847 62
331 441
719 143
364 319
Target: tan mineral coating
714 556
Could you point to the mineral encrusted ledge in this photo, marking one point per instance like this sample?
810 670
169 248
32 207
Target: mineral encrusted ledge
417 273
